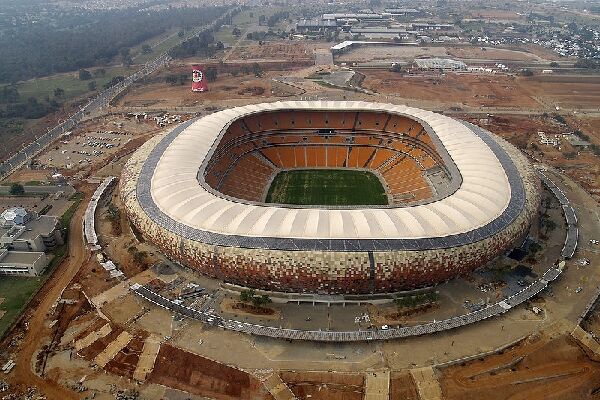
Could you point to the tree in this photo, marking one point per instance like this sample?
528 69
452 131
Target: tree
63 42
211 74
146 49
257 69
180 33
554 64
587 64
9 94
126 57
100 72
59 92
236 32
140 257
526 72
113 215
262 19
550 225
250 296
114 81
16 189
92 86
262 300
247 295
84 75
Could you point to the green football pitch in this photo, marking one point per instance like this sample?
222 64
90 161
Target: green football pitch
327 187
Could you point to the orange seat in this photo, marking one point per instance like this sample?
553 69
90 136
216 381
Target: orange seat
381 156
300 156
311 156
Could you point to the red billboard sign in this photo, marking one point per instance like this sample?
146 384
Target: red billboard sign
198 79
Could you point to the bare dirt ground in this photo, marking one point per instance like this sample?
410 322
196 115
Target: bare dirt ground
490 13
491 53
226 87
28 175
402 386
198 375
544 92
565 91
466 53
126 360
325 385
471 90
542 52
541 368
391 53
278 51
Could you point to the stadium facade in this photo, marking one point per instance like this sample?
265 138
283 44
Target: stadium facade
458 196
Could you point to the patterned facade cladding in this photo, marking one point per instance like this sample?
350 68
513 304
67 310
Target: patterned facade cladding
329 271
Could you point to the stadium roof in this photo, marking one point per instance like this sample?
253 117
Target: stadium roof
169 190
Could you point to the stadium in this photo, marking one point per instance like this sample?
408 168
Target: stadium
330 197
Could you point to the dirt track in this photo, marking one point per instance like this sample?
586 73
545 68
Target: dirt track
23 374
543 369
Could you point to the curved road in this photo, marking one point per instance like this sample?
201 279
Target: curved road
23 373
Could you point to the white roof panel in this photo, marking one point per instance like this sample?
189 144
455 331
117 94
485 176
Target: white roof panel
482 197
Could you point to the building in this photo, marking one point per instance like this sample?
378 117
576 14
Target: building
429 26
402 11
445 64
22 263
380 32
458 197
14 216
306 26
38 234
348 45
351 18
24 239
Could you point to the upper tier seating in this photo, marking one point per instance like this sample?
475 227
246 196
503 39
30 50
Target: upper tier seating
256 147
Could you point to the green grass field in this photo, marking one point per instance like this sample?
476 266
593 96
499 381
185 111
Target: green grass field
327 187
69 82
16 291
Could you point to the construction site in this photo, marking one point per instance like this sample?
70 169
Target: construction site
88 333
